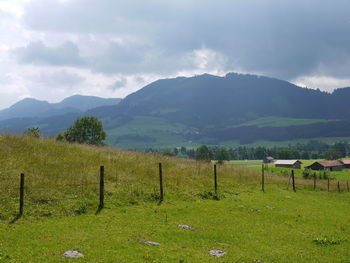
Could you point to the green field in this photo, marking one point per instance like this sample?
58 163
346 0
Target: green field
279 122
158 131
61 201
287 143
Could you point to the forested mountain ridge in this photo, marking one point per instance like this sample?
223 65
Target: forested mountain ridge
235 98
213 110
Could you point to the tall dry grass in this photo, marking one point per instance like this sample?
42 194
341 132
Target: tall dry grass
57 172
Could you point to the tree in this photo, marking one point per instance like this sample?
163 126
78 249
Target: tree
61 136
331 154
33 132
221 154
285 154
87 129
203 153
168 152
340 148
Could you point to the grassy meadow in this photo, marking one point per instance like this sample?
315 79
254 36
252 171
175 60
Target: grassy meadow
279 122
61 200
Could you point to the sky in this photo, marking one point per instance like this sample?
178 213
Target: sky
52 49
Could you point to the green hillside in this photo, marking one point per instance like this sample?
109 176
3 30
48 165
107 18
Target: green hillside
236 108
279 122
61 201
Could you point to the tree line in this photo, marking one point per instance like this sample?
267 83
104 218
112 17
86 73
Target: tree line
312 150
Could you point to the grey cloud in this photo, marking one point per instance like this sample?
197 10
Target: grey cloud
58 78
66 54
119 84
284 39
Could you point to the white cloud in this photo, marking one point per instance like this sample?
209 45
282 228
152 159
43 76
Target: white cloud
325 83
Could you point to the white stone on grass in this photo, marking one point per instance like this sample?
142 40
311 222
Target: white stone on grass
72 254
255 210
151 243
187 227
217 253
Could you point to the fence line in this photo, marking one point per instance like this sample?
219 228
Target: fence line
266 180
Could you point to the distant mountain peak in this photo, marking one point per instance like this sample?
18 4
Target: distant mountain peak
31 107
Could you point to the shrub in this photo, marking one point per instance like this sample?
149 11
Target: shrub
307 173
33 132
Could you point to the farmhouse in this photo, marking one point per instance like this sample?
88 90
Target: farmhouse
326 165
269 159
346 164
296 164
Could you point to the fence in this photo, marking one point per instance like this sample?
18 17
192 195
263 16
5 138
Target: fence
96 189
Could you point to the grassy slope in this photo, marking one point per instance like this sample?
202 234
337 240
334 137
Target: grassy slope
279 122
284 233
158 129
328 140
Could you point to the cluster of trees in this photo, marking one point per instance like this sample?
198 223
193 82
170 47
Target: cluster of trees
87 129
311 150
203 152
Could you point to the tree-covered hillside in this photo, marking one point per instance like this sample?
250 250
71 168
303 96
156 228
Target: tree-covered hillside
213 110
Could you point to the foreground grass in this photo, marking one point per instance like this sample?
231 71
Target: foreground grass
62 179
277 226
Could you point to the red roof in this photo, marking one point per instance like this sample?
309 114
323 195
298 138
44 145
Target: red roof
330 163
346 161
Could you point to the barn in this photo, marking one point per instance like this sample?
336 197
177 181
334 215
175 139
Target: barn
295 164
326 165
346 164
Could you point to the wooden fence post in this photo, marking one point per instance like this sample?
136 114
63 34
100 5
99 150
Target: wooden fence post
338 187
21 195
314 181
328 184
347 186
293 180
262 178
161 190
102 186
215 180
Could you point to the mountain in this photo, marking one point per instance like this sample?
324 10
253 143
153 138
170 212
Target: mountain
207 109
84 103
36 108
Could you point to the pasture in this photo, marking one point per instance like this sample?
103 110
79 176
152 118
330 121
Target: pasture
61 209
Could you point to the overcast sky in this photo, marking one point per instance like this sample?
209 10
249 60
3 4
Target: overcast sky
51 49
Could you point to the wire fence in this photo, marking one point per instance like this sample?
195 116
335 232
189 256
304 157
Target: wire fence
156 184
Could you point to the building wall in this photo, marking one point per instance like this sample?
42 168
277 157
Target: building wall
347 166
320 167
295 166
316 167
336 168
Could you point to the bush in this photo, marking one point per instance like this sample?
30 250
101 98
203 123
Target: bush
33 132
307 174
61 136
